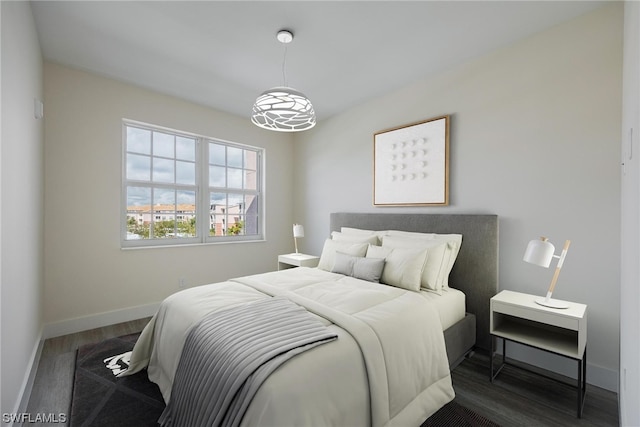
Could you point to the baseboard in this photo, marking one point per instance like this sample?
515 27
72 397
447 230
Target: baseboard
99 320
603 377
30 376
596 375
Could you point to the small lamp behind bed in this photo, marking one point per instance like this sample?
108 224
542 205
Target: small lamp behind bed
540 252
298 231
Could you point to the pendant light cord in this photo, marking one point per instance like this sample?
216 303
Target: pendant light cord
284 70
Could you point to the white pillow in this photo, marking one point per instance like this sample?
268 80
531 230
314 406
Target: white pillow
349 230
371 239
454 249
433 272
413 234
403 266
362 232
369 269
327 258
454 240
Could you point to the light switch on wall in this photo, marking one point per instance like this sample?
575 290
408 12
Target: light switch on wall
38 109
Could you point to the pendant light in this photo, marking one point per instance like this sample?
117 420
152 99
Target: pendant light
282 108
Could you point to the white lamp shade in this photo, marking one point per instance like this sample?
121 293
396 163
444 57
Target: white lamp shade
539 252
283 109
298 230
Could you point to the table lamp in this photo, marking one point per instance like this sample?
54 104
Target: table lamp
540 252
298 231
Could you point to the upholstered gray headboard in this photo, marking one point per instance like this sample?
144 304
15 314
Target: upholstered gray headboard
475 271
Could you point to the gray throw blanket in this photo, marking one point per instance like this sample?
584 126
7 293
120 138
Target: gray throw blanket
230 353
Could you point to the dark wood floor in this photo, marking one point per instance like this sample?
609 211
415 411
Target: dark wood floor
53 383
516 398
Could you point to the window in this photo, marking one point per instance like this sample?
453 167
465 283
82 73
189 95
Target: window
180 188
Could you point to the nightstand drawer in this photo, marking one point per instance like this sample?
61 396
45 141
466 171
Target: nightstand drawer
536 315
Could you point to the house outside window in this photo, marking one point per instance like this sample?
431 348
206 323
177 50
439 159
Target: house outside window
180 188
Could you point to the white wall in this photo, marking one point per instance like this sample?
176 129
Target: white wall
630 286
22 201
534 139
87 274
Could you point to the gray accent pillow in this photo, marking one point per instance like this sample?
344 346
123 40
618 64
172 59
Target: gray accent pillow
369 269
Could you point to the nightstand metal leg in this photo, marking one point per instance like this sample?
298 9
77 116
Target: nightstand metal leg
492 374
492 339
581 388
582 382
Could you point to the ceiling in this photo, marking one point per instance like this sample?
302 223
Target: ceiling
223 54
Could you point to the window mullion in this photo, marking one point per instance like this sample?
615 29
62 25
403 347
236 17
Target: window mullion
202 164
152 217
175 204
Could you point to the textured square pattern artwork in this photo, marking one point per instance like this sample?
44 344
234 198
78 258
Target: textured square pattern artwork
411 164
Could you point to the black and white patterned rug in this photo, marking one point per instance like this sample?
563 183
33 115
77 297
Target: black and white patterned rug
101 399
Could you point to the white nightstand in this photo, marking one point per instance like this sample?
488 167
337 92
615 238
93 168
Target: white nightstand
297 260
516 317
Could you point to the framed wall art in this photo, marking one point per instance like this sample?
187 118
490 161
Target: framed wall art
411 164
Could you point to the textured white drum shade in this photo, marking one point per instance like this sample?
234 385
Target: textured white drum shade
283 109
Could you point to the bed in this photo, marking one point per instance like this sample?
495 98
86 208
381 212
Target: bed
475 271
362 371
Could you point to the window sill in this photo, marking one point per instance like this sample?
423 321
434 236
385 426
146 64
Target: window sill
184 245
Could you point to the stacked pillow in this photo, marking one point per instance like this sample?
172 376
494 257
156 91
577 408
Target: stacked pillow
403 266
370 239
432 259
345 254
453 242
407 260
327 258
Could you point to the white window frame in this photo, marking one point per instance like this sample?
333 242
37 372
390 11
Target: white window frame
201 188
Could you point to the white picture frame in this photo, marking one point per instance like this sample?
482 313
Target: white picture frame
411 164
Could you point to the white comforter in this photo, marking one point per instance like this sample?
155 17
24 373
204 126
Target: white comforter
387 367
